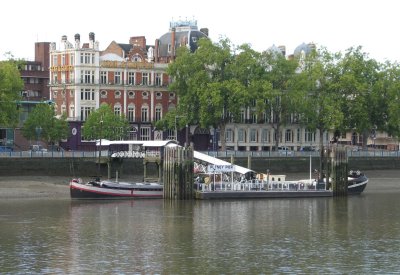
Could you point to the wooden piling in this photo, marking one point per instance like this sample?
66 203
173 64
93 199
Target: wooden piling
178 173
339 170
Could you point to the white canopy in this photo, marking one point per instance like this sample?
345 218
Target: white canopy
144 143
216 161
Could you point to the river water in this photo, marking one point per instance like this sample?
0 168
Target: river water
354 235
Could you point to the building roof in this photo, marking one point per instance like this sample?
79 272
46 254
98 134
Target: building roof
187 37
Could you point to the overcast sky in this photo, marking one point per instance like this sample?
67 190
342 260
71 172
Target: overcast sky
334 24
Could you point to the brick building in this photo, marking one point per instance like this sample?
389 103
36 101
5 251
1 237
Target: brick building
130 77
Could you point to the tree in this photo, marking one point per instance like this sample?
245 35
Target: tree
283 97
321 109
358 77
207 85
11 85
42 124
103 123
387 98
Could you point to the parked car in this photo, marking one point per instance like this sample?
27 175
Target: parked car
308 149
38 148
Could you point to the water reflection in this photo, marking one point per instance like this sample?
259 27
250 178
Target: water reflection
358 234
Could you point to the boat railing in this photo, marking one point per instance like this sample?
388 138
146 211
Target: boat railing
261 185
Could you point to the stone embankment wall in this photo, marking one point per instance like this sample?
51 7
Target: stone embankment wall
87 167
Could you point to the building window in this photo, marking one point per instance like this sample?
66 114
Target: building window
55 60
87 77
87 58
63 109
63 59
136 58
158 113
131 94
309 136
55 94
103 94
145 78
145 133
288 135
253 117
103 78
242 116
158 95
253 135
158 78
145 114
229 135
169 48
241 135
171 95
145 95
265 135
72 111
117 109
85 112
87 94
117 78
131 78
117 94
71 59
131 113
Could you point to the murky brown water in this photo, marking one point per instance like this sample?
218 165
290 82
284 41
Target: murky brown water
359 234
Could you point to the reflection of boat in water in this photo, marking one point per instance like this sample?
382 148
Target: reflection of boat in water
97 189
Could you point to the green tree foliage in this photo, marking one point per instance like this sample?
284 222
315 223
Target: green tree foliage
11 85
208 85
283 95
322 91
358 76
387 98
103 123
42 124
321 108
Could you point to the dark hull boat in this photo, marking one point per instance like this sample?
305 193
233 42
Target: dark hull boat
356 183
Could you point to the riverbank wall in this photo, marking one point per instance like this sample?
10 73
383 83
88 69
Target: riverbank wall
88 167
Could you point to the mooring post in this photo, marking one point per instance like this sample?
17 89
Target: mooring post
339 164
178 173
